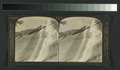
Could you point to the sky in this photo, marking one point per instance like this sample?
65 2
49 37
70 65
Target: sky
31 22
75 23
35 21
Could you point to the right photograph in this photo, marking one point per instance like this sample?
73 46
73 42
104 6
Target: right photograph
80 39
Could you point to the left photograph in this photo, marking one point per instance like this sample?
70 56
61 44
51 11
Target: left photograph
36 39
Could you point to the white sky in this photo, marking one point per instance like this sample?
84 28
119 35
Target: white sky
35 21
31 22
75 23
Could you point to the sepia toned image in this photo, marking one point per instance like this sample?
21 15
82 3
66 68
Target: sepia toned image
81 40
36 39
69 39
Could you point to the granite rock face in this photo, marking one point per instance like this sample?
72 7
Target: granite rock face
83 46
48 45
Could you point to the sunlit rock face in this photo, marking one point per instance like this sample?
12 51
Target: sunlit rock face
39 48
49 45
48 36
83 46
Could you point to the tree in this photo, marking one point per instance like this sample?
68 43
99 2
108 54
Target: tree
63 22
19 22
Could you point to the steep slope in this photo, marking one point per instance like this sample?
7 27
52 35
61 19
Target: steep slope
79 45
82 46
